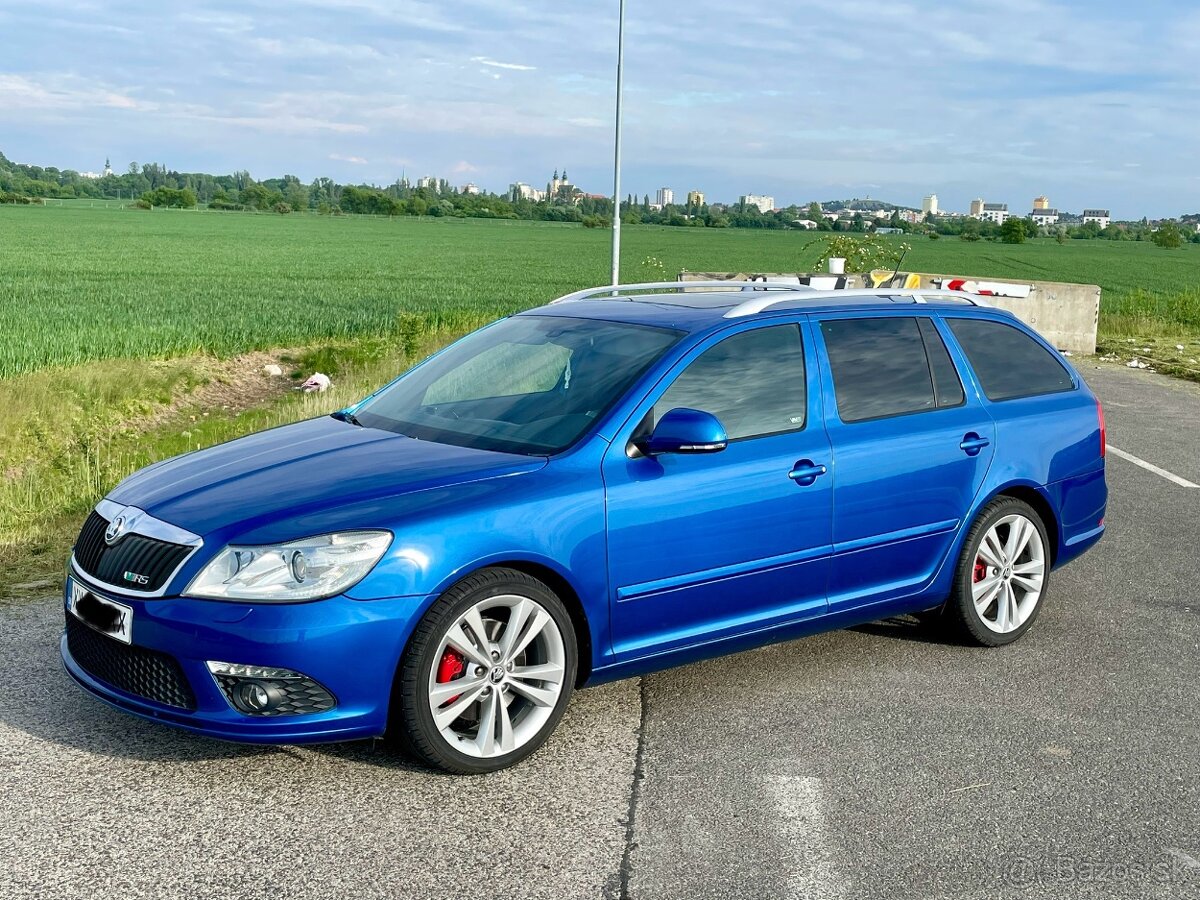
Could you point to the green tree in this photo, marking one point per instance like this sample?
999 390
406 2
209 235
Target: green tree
1013 231
1168 236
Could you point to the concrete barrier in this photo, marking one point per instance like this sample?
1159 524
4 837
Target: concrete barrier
1066 314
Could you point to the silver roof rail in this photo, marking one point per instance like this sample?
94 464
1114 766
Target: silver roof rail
621 290
917 295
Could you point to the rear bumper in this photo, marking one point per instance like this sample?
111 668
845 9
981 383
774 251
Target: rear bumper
351 647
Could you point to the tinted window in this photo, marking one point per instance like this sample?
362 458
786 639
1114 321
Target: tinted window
1008 362
528 384
947 387
753 382
879 367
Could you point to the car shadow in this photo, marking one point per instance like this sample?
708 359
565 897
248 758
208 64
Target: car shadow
908 628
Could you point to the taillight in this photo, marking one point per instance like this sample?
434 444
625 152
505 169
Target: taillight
1103 431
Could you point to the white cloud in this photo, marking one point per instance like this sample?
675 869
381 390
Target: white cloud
357 160
515 67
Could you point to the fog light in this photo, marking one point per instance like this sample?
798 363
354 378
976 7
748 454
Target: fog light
256 697
269 690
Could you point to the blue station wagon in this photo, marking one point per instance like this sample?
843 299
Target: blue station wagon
621 481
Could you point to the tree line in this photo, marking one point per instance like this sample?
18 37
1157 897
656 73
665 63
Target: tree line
151 185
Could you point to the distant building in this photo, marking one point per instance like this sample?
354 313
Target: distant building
560 187
664 196
1099 216
888 230
522 191
1044 217
994 212
695 198
911 216
806 223
470 188
929 205
976 209
764 202
1042 202
427 181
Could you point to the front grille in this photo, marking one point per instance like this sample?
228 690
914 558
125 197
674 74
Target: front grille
135 670
302 695
150 560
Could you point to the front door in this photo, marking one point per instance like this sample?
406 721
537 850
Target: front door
711 545
911 446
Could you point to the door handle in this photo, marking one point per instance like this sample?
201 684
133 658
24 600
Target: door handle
805 472
973 443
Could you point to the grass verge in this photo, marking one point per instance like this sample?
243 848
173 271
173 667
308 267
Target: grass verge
70 435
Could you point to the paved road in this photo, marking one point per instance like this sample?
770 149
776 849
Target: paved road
863 763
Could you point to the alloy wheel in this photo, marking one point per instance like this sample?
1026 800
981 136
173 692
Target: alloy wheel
497 677
1008 574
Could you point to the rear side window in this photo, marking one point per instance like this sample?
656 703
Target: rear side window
880 368
752 382
947 387
1008 362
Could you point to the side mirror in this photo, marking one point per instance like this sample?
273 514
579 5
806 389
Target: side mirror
685 431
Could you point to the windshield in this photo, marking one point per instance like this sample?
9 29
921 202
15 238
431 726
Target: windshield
527 384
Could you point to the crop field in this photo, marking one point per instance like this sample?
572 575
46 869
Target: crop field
125 331
80 283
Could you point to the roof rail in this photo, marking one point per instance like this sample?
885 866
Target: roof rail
916 295
616 291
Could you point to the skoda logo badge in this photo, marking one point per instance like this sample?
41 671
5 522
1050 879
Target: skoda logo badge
115 529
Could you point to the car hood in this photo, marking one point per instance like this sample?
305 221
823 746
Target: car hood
290 473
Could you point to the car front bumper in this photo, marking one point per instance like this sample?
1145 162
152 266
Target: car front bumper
350 647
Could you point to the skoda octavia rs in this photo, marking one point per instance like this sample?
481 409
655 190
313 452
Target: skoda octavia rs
618 482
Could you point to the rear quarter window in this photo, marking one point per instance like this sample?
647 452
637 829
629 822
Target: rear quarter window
1008 362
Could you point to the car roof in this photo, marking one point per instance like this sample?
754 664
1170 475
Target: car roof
698 306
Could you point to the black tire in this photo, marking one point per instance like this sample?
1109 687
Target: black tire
959 618
411 724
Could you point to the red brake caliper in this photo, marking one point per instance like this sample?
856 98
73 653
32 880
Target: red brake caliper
980 571
451 666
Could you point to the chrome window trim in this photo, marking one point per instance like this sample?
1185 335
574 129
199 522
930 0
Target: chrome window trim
140 522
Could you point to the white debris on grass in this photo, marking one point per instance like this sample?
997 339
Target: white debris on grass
272 370
316 383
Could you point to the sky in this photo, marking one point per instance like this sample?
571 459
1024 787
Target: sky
1094 103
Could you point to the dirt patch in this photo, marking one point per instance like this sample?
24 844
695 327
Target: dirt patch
234 385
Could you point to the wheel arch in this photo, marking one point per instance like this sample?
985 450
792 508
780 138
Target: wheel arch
565 592
1032 495
554 579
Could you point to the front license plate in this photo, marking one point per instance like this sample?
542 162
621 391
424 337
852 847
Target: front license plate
104 615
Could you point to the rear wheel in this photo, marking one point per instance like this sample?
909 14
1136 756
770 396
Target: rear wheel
1002 576
487 675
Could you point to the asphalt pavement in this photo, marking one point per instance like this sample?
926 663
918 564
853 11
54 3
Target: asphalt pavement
872 762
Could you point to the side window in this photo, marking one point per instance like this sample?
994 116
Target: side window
1008 362
879 367
947 387
753 382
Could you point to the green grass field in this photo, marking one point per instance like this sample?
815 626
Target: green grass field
80 283
116 323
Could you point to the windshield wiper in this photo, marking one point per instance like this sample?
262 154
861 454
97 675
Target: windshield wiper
344 415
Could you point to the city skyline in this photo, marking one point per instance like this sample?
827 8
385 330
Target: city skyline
1085 96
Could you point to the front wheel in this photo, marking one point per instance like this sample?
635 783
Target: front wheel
487 674
1002 576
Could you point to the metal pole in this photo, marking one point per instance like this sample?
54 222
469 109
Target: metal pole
616 235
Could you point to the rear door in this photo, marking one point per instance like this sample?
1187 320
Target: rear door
911 449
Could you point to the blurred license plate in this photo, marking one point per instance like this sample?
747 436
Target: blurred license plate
106 616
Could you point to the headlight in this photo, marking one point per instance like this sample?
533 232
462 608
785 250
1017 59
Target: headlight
307 569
